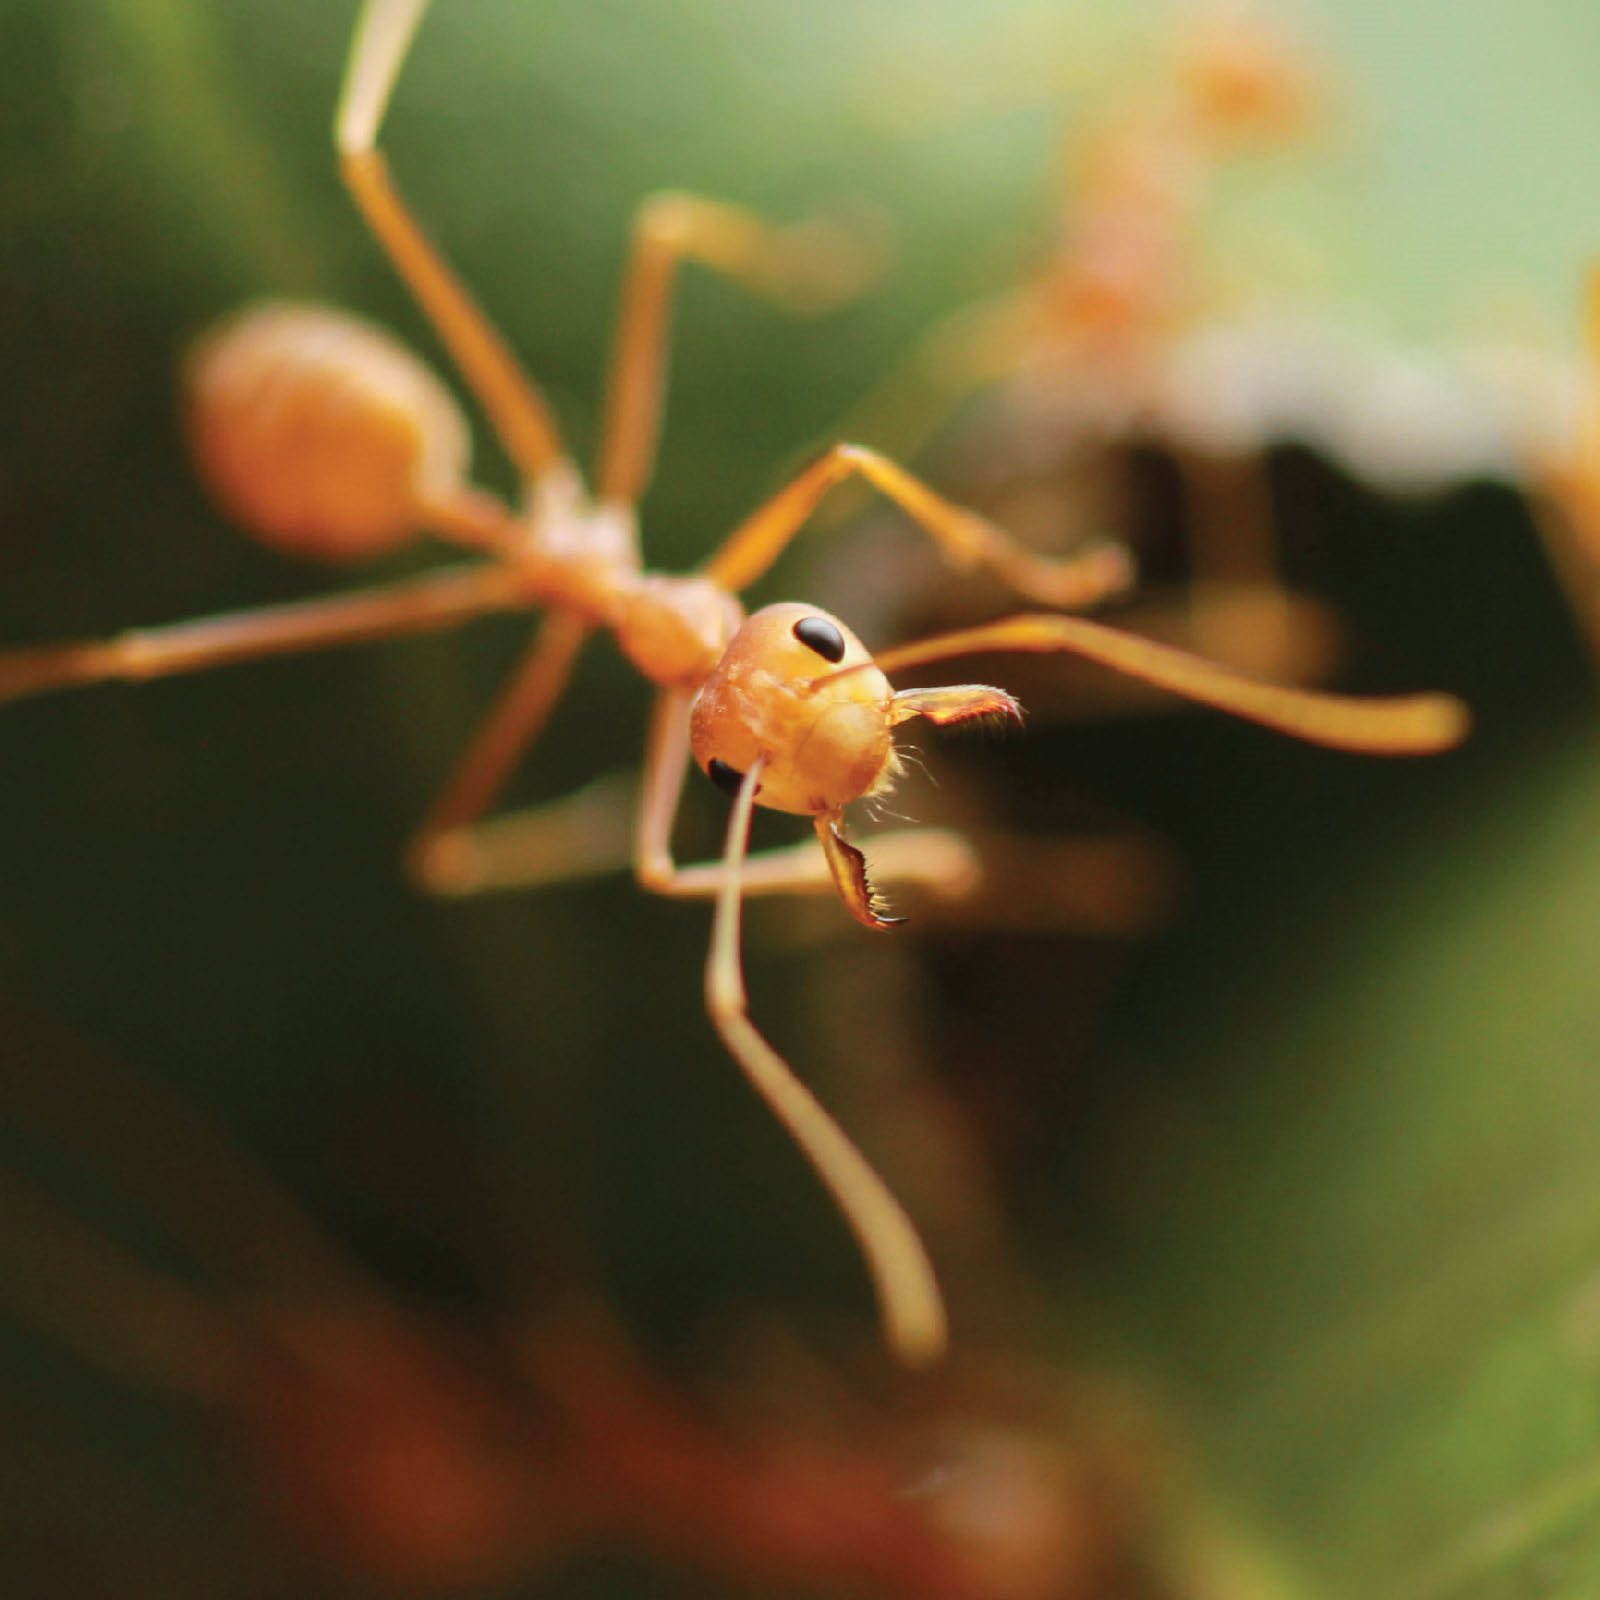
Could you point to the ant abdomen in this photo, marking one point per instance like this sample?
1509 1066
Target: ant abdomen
320 434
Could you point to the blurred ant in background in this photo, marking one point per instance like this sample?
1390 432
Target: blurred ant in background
1057 379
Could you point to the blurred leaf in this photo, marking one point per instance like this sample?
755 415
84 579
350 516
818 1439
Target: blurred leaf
1363 1225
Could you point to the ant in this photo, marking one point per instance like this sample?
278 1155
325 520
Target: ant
323 436
1081 357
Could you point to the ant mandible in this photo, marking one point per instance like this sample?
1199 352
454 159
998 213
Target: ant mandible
322 435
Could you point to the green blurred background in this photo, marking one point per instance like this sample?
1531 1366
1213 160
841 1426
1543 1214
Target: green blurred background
1322 1166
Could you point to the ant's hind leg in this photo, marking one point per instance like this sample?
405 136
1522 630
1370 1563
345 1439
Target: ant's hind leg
967 540
516 409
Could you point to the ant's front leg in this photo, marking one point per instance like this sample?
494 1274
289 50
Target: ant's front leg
967 540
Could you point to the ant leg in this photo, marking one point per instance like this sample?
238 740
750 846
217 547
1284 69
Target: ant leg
939 859
593 832
516 409
909 1302
417 605
967 539
908 1297
1115 887
582 835
1419 724
810 266
441 855
590 833
1112 887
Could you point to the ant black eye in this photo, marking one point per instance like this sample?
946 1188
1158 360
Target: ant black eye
724 776
817 633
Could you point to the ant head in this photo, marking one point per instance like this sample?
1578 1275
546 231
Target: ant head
780 691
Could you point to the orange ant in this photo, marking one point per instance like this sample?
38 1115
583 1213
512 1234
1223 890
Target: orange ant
1082 354
323 436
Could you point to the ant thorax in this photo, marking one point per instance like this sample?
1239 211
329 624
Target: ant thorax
798 689
583 554
675 630
579 551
